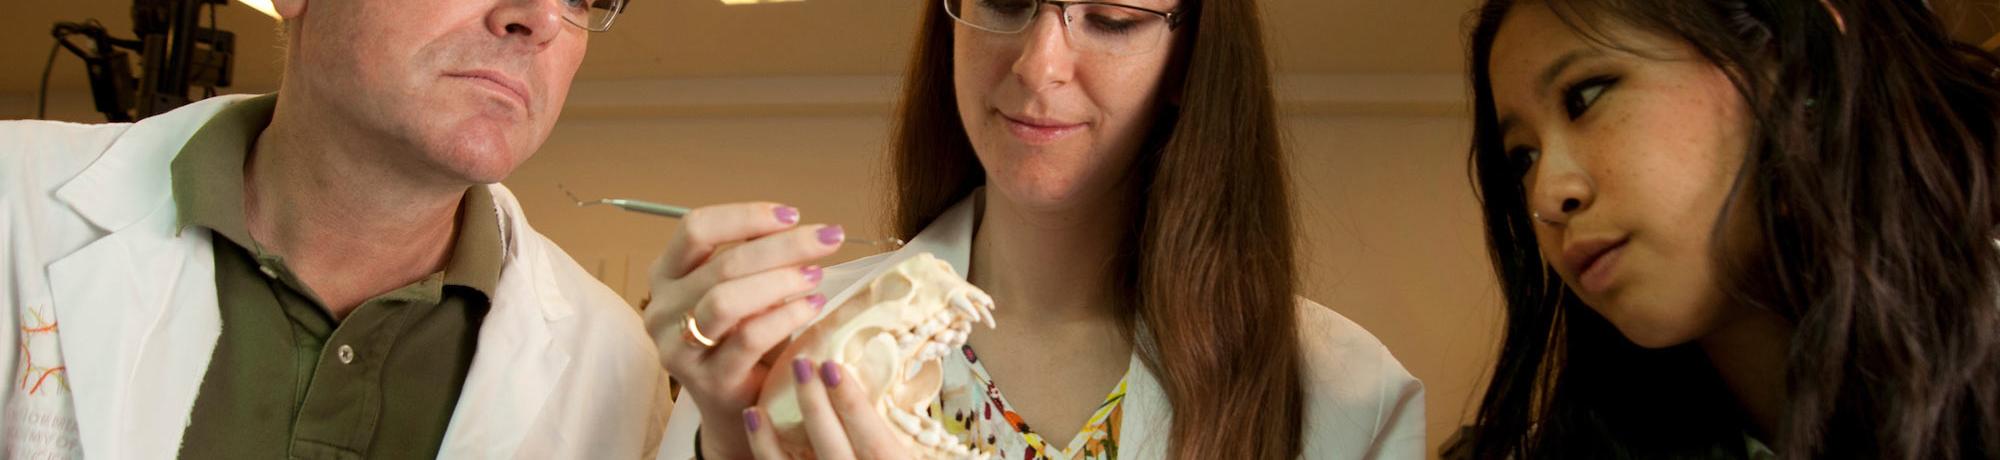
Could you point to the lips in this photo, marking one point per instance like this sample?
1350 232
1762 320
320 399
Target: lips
498 82
1038 130
1593 261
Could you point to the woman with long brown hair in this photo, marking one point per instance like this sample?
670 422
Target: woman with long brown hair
1738 229
1111 173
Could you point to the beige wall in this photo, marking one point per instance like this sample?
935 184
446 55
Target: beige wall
1390 231
1393 241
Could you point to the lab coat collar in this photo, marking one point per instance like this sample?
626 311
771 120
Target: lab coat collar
125 183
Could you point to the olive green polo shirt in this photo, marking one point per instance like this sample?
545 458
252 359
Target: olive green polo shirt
287 380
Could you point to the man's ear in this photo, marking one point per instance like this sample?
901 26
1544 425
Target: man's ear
289 9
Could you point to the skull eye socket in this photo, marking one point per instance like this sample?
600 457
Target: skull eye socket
892 286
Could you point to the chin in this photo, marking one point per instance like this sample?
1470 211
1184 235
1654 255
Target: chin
1039 192
1053 180
479 159
1653 326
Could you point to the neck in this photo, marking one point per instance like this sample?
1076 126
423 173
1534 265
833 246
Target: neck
1049 265
1749 353
350 225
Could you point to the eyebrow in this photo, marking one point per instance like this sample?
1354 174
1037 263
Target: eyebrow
1547 79
1548 75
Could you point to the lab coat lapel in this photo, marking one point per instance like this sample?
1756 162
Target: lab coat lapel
519 361
1148 416
137 322
136 310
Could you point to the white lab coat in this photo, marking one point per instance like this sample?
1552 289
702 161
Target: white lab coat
1361 403
563 367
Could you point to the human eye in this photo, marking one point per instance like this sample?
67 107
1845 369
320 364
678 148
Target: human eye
1522 159
1578 98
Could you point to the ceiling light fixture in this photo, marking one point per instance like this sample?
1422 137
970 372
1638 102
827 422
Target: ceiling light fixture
262 6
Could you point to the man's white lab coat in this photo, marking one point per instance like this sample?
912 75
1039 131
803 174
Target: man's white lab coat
92 269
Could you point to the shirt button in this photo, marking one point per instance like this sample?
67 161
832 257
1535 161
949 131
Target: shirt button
346 354
268 272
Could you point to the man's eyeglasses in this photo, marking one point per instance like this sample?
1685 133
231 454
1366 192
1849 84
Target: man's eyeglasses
592 15
1094 26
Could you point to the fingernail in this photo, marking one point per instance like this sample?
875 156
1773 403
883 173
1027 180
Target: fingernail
750 419
787 214
803 369
813 274
818 301
830 372
832 235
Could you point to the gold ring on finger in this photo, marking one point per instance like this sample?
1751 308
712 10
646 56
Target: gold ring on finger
693 334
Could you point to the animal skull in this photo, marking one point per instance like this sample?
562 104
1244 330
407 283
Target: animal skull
892 335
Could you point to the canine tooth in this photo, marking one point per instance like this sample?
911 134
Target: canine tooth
930 438
965 306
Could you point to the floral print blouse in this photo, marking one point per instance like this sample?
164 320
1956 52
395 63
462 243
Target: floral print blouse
973 409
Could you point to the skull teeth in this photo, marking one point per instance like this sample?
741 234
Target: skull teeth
976 305
934 337
931 435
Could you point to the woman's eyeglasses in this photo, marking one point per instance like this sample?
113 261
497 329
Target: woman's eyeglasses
1092 26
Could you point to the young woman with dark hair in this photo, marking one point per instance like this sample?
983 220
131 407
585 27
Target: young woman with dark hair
1738 228
1112 174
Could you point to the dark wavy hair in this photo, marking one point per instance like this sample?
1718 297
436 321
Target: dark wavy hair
1872 194
1208 258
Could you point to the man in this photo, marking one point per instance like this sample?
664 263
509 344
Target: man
324 272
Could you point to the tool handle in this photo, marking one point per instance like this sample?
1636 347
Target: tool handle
648 207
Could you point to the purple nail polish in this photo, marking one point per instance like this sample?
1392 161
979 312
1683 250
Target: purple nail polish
813 274
750 420
787 214
830 372
818 301
832 235
803 369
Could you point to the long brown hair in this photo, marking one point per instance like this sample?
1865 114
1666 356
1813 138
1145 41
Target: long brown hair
1872 189
1207 263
